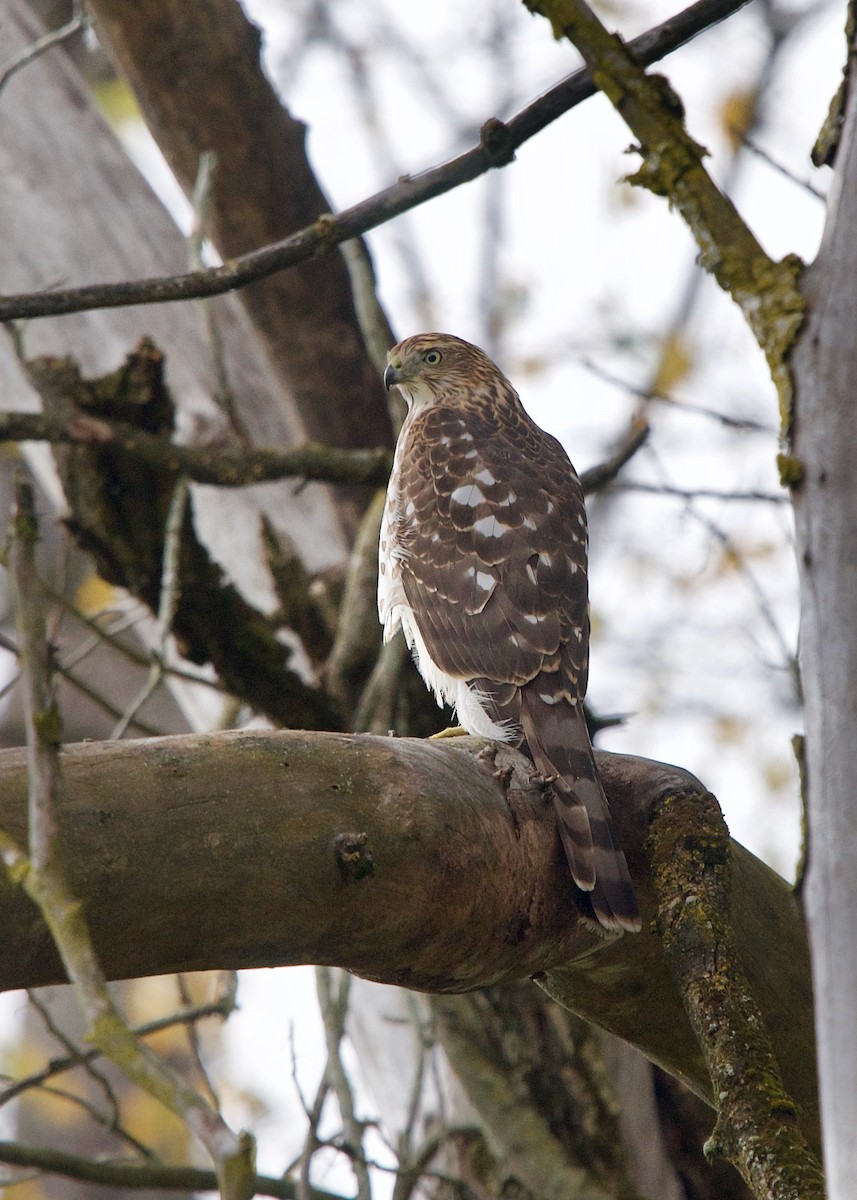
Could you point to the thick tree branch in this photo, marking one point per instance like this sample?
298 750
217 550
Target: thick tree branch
499 142
425 865
224 466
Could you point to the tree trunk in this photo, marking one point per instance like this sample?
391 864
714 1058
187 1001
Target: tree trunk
825 438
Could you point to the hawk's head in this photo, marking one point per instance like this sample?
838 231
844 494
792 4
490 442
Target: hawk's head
432 366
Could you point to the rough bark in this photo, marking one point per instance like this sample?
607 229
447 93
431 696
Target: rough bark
825 499
73 206
254 849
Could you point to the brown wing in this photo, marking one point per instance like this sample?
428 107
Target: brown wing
494 543
493 534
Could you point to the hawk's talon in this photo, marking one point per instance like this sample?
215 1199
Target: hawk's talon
540 780
450 731
503 775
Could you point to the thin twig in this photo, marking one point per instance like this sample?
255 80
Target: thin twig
333 987
113 1122
90 693
312 1141
169 598
605 472
375 328
497 148
358 633
665 489
58 1066
649 393
41 712
108 635
770 161
201 204
195 1045
374 710
37 48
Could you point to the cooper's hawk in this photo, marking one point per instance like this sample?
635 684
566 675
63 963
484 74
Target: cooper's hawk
483 564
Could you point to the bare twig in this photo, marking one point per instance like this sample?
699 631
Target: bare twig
333 987
770 161
649 393
665 489
375 329
114 1121
111 1122
603 473
201 203
358 634
57 1066
85 690
169 599
28 54
108 635
374 710
497 147
41 712
195 1045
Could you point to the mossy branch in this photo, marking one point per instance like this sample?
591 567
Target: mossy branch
766 290
228 466
757 1127
44 879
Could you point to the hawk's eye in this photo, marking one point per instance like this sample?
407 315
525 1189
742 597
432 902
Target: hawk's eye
432 357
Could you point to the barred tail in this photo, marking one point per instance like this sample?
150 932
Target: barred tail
558 740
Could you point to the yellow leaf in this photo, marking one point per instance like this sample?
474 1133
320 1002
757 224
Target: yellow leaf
94 595
675 364
737 115
116 101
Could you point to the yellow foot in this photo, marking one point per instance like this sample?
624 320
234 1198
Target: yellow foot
453 731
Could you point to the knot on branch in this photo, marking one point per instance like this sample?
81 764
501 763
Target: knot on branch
497 142
353 858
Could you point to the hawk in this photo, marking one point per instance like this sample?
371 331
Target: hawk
482 562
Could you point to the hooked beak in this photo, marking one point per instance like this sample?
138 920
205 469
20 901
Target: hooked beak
392 373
